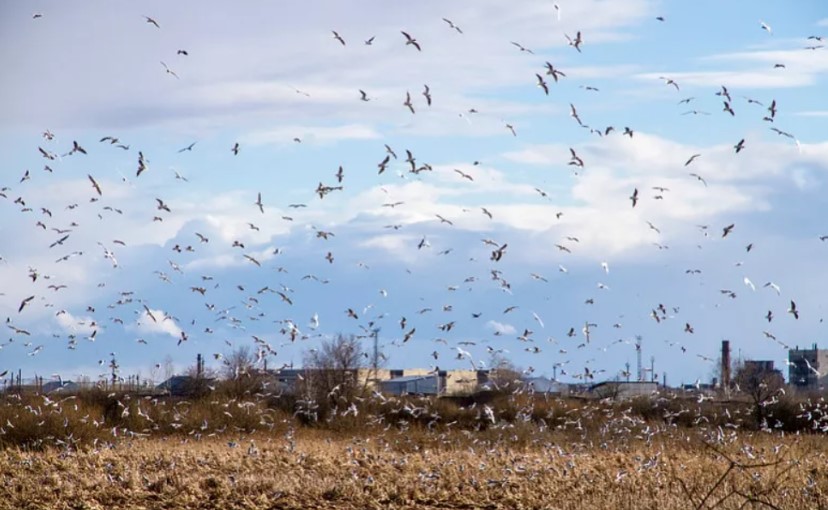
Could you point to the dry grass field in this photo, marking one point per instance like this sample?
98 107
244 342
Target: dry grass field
416 469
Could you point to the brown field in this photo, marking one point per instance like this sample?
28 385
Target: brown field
249 450
414 469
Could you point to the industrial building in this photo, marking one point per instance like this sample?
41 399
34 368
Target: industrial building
808 368
411 385
623 389
448 382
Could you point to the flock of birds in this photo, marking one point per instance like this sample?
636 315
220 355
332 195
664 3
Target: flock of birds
126 306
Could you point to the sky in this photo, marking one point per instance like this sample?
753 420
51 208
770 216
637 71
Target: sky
524 227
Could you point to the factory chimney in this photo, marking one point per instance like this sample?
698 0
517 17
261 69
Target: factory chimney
725 364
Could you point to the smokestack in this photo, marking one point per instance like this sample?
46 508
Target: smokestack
725 363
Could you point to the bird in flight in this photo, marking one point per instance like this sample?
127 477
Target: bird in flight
187 148
407 102
542 84
555 73
728 229
151 21
522 48
669 81
95 184
575 43
452 25
338 37
411 41
169 71
691 159
259 203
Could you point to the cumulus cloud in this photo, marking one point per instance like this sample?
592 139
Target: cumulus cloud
501 328
158 323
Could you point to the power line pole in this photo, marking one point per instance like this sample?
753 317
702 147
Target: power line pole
375 358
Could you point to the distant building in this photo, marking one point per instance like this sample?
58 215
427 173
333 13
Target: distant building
182 385
808 368
448 382
412 385
60 386
545 385
623 389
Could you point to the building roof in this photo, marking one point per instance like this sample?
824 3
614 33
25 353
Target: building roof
408 378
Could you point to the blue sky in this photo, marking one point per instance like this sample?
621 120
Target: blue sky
272 72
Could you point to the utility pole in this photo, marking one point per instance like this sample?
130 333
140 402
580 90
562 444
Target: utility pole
639 367
653 375
375 357
627 372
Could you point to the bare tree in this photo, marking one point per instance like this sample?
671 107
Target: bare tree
239 371
239 363
331 373
760 384
504 376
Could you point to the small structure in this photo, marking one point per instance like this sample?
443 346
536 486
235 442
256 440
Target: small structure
411 384
60 386
808 368
623 389
183 385
545 385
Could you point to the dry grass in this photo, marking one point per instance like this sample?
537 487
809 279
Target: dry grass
98 450
405 469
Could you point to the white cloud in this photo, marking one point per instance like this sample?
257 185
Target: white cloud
501 328
163 323
76 325
312 134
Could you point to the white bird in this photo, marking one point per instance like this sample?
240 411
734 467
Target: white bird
605 266
774 287
749 284
765 27
538 319
812 369
314 322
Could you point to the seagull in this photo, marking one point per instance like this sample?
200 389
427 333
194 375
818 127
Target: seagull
24 303
691 159
95 185
774 287
739 146
427 94
634 197
726 230
259 203
408 102
152 21
575 43
188 148
338 37
452 25
765 27
542 84
411 41
793 311
363 96
169 71
669 81
550 70
522 48
235 149
699 178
